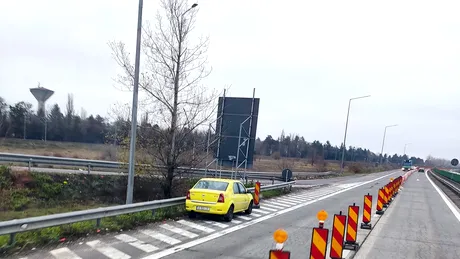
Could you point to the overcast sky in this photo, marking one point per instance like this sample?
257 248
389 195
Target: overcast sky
306 59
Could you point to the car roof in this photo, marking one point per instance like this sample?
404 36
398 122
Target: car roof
220 180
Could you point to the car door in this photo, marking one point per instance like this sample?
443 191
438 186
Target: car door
244 196
237 197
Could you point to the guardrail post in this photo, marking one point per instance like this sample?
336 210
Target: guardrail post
153 213
98 222
12 239
273 180
89 168
30 164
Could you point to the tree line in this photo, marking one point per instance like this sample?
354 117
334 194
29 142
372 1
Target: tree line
19 120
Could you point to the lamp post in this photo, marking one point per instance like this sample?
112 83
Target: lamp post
346 128
383 142
405 145
132 144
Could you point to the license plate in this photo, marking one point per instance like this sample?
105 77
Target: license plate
202 208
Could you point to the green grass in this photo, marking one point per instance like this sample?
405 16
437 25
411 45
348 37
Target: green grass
71 231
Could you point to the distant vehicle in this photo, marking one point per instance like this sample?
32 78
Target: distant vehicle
421 170
407 165
218 196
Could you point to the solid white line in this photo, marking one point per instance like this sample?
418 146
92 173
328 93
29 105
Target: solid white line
136 243
64 253
195 226
159 236
179 231
244 217
217 224
444 198
196 242
108 251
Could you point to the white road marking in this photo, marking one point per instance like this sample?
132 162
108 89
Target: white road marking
198 241
64 253
265 208
275 205
244 217
136 243
444 198
236 221
107 250
195 226
286 201
262 211
279 203
217 224
255 214
159 236
179 231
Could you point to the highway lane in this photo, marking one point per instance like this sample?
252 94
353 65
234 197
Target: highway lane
256 240
253 232
419 224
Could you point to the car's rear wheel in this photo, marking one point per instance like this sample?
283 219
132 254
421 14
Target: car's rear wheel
249 210
229 216
192 214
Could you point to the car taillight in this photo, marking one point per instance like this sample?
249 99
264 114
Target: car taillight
221 198
188 196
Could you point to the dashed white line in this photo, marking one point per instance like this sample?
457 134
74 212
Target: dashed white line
159 236
106 250
64 253
195 226
179 231
136 243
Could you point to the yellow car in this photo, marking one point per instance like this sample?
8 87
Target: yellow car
218 196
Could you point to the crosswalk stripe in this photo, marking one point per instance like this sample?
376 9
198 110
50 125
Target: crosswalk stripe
159 236
179 231
106 250
136 243
196 226
64 253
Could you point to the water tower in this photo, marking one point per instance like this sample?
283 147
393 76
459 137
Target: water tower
41 94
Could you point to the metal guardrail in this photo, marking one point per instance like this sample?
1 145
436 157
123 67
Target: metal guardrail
33 160
453 185
12 227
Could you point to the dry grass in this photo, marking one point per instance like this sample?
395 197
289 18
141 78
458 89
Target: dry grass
112 153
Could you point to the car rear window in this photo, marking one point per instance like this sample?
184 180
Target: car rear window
211 185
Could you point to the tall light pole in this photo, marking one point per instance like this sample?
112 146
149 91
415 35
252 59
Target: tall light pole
346 128
383 142
405 145
132 144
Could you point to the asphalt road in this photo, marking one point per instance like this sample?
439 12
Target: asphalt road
247 236
419 224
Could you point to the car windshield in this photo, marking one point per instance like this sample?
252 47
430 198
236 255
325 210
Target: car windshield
211 185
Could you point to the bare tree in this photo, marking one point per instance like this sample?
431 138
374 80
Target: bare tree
170 81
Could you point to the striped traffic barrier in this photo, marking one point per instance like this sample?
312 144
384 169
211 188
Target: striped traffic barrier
387 196
338 230
319 238
367 212
352 228
257 195
280 236
380 202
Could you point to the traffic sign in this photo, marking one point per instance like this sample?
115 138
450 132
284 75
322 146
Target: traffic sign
286 174
454 162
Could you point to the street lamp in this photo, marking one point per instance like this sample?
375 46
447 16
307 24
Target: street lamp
346 128
383 143
405 145
132 144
